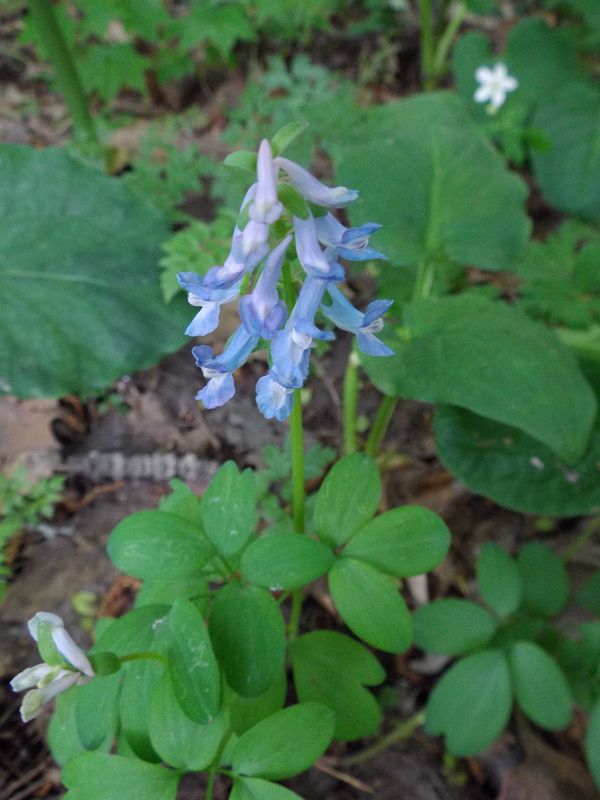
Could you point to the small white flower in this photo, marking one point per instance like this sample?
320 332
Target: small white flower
69 666
494 85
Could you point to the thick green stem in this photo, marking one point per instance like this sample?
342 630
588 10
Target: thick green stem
424 280
446 39
403 730
384 415
427 46
57 52
351 386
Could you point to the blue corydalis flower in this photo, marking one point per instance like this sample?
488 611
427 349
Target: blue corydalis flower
263 312
219 371
343 314
290 347
265 206
349 243
314 260
274 400
209 300
313 190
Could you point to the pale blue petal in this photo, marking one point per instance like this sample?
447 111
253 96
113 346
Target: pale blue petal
369 344
376 309
274 401
217 391
205 321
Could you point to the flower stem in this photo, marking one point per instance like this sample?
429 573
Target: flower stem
446 39
351 386
384 415
403 730
143 656
427 47
56 50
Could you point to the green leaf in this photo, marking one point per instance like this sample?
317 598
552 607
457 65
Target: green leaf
242 159
589 595
569 172
229 508
370 605
423 182
257 789
513 469
286 135
316 659
99 776
248 634
592 744
293 201
540 687
471 703
347 499
178 740
106 69
192 664
63 738
453 626
183 502
284 744
498 579
404 541
544 579
138 686
285 561
156 545
464 351
75 239
97 710
245 712
131 633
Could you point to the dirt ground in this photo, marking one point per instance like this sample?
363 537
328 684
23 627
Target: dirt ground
117 461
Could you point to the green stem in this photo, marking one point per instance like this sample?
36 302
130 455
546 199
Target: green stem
427 47
424 280
403 730
384 415
351 386
56 50
589 529
446 39
210 785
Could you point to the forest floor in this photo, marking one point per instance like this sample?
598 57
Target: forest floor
116 451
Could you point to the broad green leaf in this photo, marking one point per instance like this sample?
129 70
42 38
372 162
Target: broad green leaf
569 172
97 710
286 135
316 659
435 183
540 687
453 626
63 738
544 579
513 469
293 201
257 789
248 634
242 159
284 744
498 579
589 595
178 740
245 712
347 499
188 588
370 604
79 255
156 545
471 703
285 561
229 508
99 776
542 58
131 633
193 667
183 502
138 685
592 744
491 359
403 542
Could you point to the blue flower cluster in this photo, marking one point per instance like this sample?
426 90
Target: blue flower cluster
320 241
